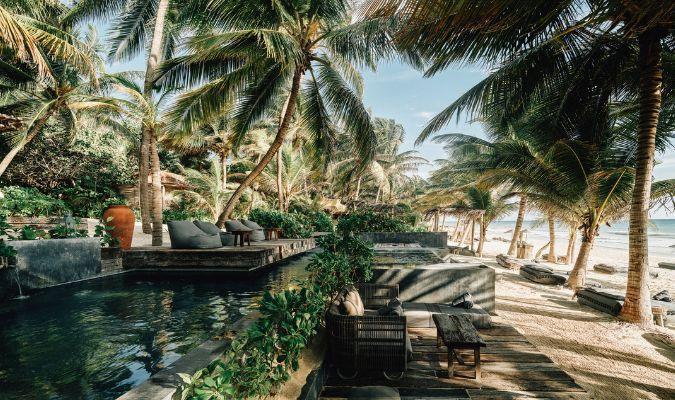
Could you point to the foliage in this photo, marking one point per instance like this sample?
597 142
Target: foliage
372 221
103 231
28 202
293 225
260 360
6 251
29 232
184 210
320 220
62 231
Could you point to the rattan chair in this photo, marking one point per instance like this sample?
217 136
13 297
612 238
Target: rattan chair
369 342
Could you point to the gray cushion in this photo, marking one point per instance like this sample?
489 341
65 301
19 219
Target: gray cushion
258 232
227 239
251 224
186 235
234 225
208 227
419 315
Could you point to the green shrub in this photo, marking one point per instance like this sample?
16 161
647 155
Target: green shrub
261 359
183 210
293 226
320 221
28 202
370 221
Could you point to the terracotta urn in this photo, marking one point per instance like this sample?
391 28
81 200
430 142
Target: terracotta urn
123 221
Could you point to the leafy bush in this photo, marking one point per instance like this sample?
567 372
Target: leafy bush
370 221
184 211
29 232
64 232
104 231
294 226
6 251
28 202
320 221
260 360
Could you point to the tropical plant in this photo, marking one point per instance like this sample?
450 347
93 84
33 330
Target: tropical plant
539 41
206 190
67 95
104 232
372 221
29 202
304 52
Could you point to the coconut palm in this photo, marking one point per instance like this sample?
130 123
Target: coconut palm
67 95
306 53
536 40
207 189
154 27
29 35
148 113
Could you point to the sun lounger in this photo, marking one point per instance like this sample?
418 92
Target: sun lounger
667 265
542 275
509 262
611 303
609 269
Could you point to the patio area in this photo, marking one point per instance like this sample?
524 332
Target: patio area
512 368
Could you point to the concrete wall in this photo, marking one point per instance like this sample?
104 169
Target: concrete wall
43 263
425 239
441 283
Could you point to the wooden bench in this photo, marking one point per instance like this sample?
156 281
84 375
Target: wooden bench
457 332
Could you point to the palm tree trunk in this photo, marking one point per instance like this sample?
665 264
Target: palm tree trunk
274 147
519 225
157 197
223 171
637 307
358 189
483 232
551 244
578 274
30 135
143 174
377 197
465 232
145 158
454 232
280 186
473 234
570 245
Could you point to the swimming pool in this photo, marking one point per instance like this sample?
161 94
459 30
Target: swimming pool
100 338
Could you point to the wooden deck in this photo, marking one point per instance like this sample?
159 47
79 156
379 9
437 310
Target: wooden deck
225 259
512 368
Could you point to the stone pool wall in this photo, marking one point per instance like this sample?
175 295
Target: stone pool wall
44 263
425 239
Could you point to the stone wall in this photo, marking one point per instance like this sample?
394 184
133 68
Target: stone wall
425 239
44 263
441 283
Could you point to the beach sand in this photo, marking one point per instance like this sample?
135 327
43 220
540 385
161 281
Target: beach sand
609 358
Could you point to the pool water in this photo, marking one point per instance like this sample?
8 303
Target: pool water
100 338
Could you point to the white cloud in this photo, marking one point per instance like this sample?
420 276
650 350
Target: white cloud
425 114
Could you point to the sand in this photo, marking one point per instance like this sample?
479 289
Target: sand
609 358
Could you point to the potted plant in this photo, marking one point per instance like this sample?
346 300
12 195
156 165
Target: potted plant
121 219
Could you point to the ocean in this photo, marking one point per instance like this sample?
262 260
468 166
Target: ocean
661 234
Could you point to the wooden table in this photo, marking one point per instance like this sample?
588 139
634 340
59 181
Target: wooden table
243 235
269 232
457 332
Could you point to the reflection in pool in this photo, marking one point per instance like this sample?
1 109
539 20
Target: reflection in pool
98 339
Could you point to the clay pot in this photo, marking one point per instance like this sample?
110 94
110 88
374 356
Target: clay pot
123 221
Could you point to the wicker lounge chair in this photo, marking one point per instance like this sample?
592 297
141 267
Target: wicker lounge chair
369 342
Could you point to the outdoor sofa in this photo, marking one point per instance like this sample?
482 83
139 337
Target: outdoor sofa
362 338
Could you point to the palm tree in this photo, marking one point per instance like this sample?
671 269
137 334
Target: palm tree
33 99
29 35
157 25
307 53
148 112
492 207
547 35
207 188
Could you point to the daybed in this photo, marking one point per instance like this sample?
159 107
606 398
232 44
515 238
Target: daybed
543 275
611 303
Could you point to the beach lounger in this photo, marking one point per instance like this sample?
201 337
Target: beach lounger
542 275
667 265
611 303
509 262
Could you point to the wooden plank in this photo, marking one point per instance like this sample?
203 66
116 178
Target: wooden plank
457 330
521 395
